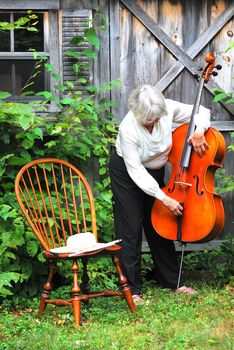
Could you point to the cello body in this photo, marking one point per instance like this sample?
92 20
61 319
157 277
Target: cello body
203 214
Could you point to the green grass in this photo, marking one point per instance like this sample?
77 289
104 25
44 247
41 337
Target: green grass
165 321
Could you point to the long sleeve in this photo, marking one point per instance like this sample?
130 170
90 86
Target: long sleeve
136 170
181 113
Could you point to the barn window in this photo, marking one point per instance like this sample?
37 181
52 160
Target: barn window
17 61
52 40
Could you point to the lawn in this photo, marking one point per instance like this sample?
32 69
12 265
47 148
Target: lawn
165 321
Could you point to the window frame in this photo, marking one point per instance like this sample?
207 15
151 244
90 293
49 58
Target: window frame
52 47
27 55
29 4
53 25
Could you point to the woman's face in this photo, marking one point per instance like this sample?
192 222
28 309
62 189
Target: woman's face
151 121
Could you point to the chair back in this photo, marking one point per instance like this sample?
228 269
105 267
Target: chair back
56 200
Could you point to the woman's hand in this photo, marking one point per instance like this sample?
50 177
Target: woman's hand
197 139
171 204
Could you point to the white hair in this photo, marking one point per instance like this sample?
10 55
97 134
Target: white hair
147 103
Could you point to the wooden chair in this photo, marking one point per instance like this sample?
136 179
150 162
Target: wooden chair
57 202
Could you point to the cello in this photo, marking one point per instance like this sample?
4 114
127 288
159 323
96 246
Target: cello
192 180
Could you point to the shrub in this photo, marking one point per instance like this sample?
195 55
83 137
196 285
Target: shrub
82 132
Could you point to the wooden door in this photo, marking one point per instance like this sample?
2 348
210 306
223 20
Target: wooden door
163 43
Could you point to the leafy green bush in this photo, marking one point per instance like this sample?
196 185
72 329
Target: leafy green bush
215 265
82 132
225 183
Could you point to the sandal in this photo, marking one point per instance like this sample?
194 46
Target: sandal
137 299
185 290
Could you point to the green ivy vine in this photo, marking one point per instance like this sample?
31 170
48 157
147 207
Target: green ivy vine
82 132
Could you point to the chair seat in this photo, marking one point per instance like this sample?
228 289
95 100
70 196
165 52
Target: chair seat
56 256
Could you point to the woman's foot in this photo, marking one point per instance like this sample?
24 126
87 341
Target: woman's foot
137 299
185 290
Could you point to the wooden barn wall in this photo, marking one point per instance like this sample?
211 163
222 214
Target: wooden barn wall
131 53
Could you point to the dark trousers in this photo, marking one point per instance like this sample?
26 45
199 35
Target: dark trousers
132 212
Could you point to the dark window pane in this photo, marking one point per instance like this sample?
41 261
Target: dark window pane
5 45
25 40
15 74
6 76
25 69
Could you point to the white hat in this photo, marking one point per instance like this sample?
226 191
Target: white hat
81 241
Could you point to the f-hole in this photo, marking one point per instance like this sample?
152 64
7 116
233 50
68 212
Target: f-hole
170 190
197 186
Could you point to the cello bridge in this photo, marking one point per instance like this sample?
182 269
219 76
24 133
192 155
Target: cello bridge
183 183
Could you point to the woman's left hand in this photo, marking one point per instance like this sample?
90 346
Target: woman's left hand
198 140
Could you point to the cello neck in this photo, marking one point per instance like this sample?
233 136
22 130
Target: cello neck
185 159
204 78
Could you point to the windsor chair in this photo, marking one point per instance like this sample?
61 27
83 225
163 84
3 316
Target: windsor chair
58 204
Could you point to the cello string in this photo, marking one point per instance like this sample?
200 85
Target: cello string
181 263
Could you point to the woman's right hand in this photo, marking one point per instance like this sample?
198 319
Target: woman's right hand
171 204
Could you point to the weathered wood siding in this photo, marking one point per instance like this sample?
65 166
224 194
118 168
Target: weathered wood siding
162 42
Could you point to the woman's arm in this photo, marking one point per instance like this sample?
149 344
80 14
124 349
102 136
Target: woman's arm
181 113
135 168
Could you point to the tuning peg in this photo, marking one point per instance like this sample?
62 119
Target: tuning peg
214 73
199 68
218 66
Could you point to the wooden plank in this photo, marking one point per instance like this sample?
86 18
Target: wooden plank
140 54
189 246
102 63
29 4
114 32
198 46
177 31
77 13
221 43
168 43
223 125
79 4
220 125
69 4
54 46
128 69
19 55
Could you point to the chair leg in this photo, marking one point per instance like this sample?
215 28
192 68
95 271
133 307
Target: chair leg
123 284
47 288
76 293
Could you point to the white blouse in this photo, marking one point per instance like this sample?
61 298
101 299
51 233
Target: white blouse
141 149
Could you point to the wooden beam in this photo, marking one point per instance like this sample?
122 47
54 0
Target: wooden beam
198 46
190 246
53 23
223 125
168 43
114 51
29 5
77 13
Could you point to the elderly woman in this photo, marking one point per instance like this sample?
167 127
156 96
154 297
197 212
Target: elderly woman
136 169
